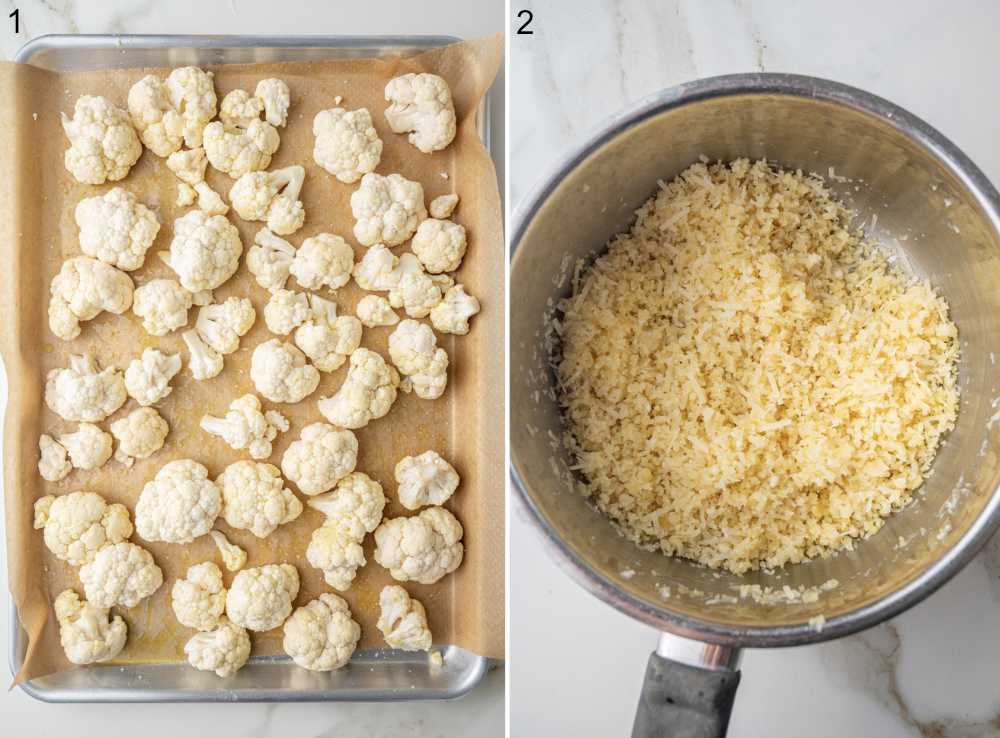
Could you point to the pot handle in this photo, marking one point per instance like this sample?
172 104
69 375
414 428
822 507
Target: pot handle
688 691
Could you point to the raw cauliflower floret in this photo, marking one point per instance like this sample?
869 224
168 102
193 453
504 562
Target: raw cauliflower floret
403 620
285 311
205 251
210 201
116 228
224 650
185 195
321 457
276 98
271 196
422 548
234 557
452 314
239 109
200 599
254 498
326 338
83 288
103 145
355 505
78 524
53 463
147 379
322 635
179 504
374 311
270 259
387 209
378 269
413 349
163 306
89 447
416 291
443 206
366 394
347 145
86 633
192 94
120 574
260 597
421 104
221 325
440 245
189 165
160 126
140 434
237 151
83 392
426 479
324 260
281 373
337 552
245 426
205 361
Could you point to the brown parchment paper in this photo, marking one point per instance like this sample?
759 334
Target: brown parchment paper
37 199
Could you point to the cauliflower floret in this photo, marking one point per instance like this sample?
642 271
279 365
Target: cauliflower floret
443 206
276 98
209 201
83 288
413 349
421 103
337 552
205 251
179 504
120 574
192 94
234 557
422 548
356 504
185 195
254 498
189 165
323 260
280 372
416 291
78 524
403 620
426 479
53 463
237 151
239 109
224 650
140 434
200 599
271 196
374 311
116 228
221 325
147 379
89 447
160 126
321 457
285 311
83 392
260 598
245 426
163 306
325 338
86 633
440 245
347 145
103 143
387 209
322 635
366 394
377 271
270 259
452 314
205 361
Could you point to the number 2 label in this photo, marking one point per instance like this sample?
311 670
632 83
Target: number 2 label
528 16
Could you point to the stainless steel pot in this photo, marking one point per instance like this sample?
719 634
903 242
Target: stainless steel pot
919 195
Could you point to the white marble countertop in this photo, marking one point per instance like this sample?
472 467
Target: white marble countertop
481 713
930 672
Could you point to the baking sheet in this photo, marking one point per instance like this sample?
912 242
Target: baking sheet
466 608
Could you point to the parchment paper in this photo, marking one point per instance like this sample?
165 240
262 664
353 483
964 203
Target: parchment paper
37 199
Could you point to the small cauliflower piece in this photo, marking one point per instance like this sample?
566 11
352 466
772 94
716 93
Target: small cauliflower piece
76 525
233 557
245 426
163 306
322 635
337 552
281 373
140 434
236 151
378 269
270 260
192 94
421 105
210 201
189 165
285 311
422 548
416 291
179 504
260 597
254 498
200 599
205 251
116 228
452 314
185 195
403 620
103 144
53 463
160 126
355 505
324 260
366 394
374 311
347 144
443 206
326 338
120 574
221 325
239 109
224 650
147 379
89 447
83 288
387 209
87 635
413 349
276 98
440 245
321 457
426 479
271 196
83 392
205 361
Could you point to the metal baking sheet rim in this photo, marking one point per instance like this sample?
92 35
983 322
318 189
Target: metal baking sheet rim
462 670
